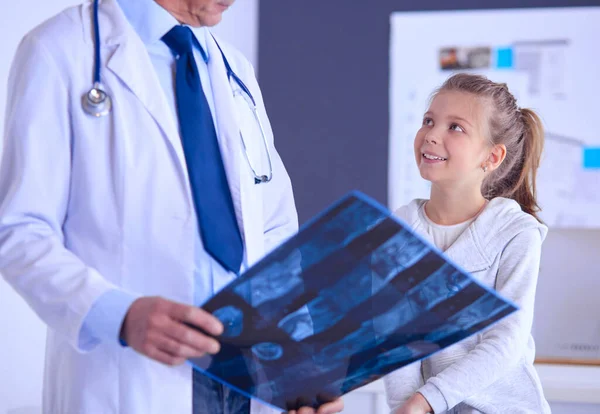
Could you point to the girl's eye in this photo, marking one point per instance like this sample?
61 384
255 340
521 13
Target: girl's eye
457 128
427 121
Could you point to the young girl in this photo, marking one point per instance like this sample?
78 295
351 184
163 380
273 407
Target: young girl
480 152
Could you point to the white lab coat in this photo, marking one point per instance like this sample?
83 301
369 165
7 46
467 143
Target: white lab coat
90 204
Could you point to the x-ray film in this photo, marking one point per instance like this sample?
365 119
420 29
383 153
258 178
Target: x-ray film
354 295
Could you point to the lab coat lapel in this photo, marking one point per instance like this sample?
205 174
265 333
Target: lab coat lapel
131 63
227 126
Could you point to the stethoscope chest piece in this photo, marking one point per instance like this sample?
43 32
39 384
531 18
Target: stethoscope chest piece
261 179
96 102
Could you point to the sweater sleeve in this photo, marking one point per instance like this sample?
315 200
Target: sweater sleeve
400 385
504 343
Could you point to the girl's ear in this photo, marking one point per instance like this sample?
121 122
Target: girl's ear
497 155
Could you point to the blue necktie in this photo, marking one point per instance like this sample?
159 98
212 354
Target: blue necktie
212 198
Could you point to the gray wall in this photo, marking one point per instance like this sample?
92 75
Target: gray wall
324 74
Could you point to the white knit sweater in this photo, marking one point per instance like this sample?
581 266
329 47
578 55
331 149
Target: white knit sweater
492 371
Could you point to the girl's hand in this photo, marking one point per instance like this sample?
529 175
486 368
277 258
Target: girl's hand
329 408
417 404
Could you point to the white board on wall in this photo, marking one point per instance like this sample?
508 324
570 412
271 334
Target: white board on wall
23 334
543 55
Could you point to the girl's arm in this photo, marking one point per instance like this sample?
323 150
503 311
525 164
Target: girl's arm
502 345
400 385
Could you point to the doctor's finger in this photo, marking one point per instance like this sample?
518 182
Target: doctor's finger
196 317
163 357
177 349
190 337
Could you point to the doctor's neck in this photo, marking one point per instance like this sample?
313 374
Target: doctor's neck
196 13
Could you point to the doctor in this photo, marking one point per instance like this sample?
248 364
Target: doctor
124 205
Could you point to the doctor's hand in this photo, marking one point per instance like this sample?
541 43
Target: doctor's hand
332 407
156 327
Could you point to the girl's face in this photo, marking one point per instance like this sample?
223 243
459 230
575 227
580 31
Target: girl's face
452 145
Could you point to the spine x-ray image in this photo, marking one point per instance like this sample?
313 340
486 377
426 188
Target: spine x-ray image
353 296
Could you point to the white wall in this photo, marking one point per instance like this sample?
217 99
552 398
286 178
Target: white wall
22 333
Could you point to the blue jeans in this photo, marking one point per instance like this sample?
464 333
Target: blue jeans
212 397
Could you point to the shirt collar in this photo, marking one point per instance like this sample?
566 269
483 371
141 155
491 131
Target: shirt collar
151 22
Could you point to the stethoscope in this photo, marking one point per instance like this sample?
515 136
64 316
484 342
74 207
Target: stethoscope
98 103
